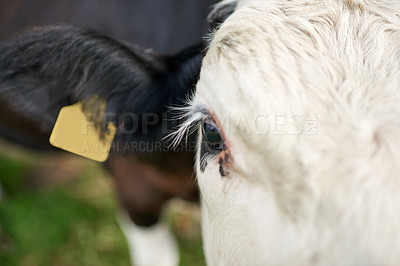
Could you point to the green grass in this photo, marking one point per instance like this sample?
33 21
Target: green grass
67 222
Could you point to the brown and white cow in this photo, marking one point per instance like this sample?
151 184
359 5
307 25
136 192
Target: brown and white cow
53 65
297 111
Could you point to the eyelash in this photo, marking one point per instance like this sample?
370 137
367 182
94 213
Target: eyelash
211 145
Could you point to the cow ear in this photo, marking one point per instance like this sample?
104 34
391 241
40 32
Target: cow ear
220 13
45 69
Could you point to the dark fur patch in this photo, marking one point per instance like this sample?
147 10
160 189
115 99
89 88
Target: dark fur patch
219 14
48 68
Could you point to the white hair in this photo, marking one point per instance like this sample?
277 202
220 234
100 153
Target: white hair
326 197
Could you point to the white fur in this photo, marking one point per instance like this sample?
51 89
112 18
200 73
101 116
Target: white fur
149 246
328 198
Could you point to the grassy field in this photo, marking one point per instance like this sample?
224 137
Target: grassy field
61 211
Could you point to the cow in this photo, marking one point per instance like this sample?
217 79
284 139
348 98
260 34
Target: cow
296 116
297 111
57 53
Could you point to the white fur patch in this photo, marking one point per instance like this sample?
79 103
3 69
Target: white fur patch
150 246
328 198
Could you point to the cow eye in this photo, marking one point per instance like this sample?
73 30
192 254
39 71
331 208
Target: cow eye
212 143
212 137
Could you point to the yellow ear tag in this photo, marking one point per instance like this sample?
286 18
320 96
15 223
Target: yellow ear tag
74 133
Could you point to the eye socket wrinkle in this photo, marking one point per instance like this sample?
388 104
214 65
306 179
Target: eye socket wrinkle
212 142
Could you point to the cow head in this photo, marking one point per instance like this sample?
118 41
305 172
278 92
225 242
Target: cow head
297 108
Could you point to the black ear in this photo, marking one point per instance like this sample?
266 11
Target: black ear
45 69
220 13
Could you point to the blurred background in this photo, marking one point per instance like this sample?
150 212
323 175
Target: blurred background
60 209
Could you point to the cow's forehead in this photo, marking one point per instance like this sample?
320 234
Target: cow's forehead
302 58
278 56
